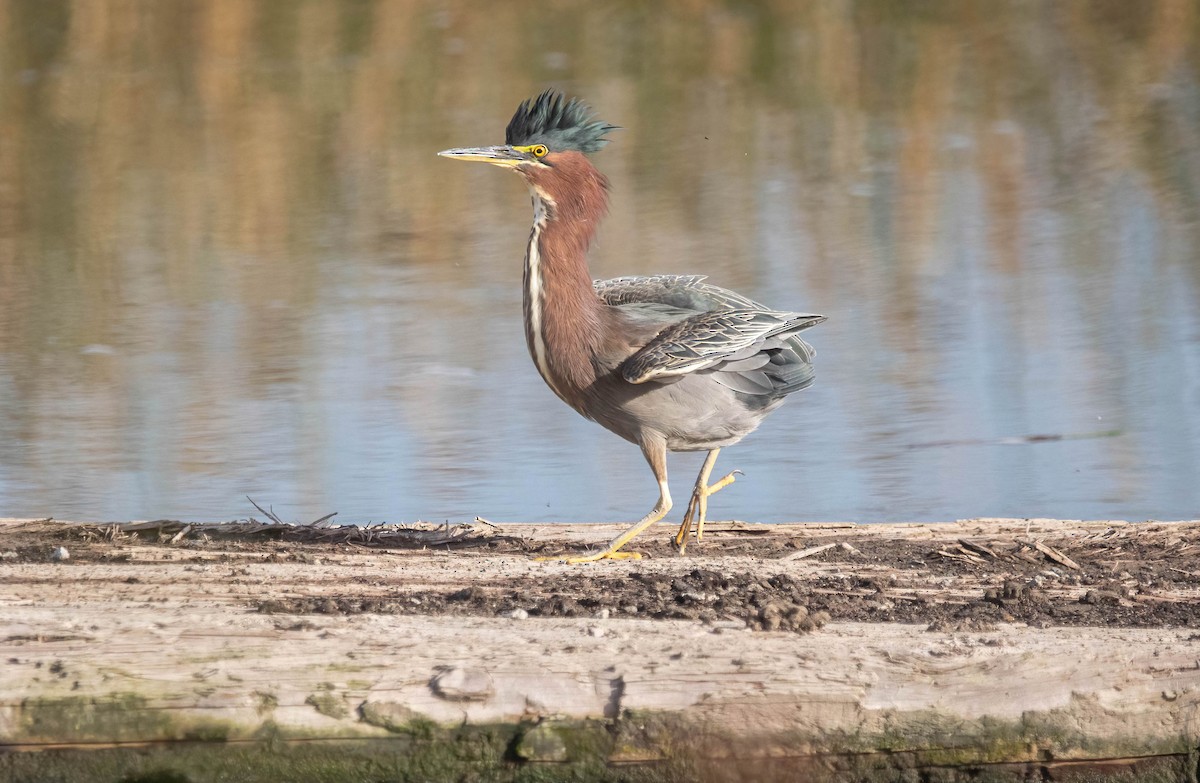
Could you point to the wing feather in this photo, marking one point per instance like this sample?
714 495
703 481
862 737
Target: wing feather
708 339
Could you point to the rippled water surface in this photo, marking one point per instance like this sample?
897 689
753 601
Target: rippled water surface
231 263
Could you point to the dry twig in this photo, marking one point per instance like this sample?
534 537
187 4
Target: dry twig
269 514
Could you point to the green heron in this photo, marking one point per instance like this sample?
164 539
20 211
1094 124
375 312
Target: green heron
667 362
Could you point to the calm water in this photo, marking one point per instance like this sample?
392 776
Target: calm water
231 263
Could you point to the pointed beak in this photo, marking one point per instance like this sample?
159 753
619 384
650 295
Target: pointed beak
498 156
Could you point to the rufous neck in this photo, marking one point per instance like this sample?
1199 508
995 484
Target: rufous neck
564 318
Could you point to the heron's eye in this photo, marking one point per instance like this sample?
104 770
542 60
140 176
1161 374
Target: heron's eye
539 151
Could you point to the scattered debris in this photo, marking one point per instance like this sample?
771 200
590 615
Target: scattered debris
418 535
1053 554
1017 440
977 548
317 523
961 625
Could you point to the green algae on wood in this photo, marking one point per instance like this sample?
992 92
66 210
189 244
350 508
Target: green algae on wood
114 718
396 718
486 755
647 746
329 704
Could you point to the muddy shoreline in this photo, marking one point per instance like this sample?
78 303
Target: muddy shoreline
968 575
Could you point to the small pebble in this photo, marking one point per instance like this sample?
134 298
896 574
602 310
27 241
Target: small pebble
9 555
595 630
602 614
59 554
519 614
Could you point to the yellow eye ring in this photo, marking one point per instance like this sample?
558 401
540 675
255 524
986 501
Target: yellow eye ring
539 150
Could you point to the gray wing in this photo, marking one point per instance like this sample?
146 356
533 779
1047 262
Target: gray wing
747 350
742 344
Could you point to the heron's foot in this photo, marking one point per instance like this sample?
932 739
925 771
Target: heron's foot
593 557
614 549
698 508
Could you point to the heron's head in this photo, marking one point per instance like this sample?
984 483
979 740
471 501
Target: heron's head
544 132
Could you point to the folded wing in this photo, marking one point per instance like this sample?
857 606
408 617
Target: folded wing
740 343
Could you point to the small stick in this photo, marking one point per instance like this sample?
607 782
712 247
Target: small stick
321 522
812 550
965 557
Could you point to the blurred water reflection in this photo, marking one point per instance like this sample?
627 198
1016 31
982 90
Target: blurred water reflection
231 264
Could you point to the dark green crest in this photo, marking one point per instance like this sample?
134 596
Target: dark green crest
559 123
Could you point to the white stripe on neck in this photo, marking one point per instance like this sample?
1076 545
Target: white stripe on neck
533 279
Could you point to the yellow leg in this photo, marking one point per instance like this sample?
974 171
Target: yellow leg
656 455
698 506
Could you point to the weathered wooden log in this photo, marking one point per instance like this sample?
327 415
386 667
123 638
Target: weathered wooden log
132 643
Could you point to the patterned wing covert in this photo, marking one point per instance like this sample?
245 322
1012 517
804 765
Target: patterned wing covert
689 292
